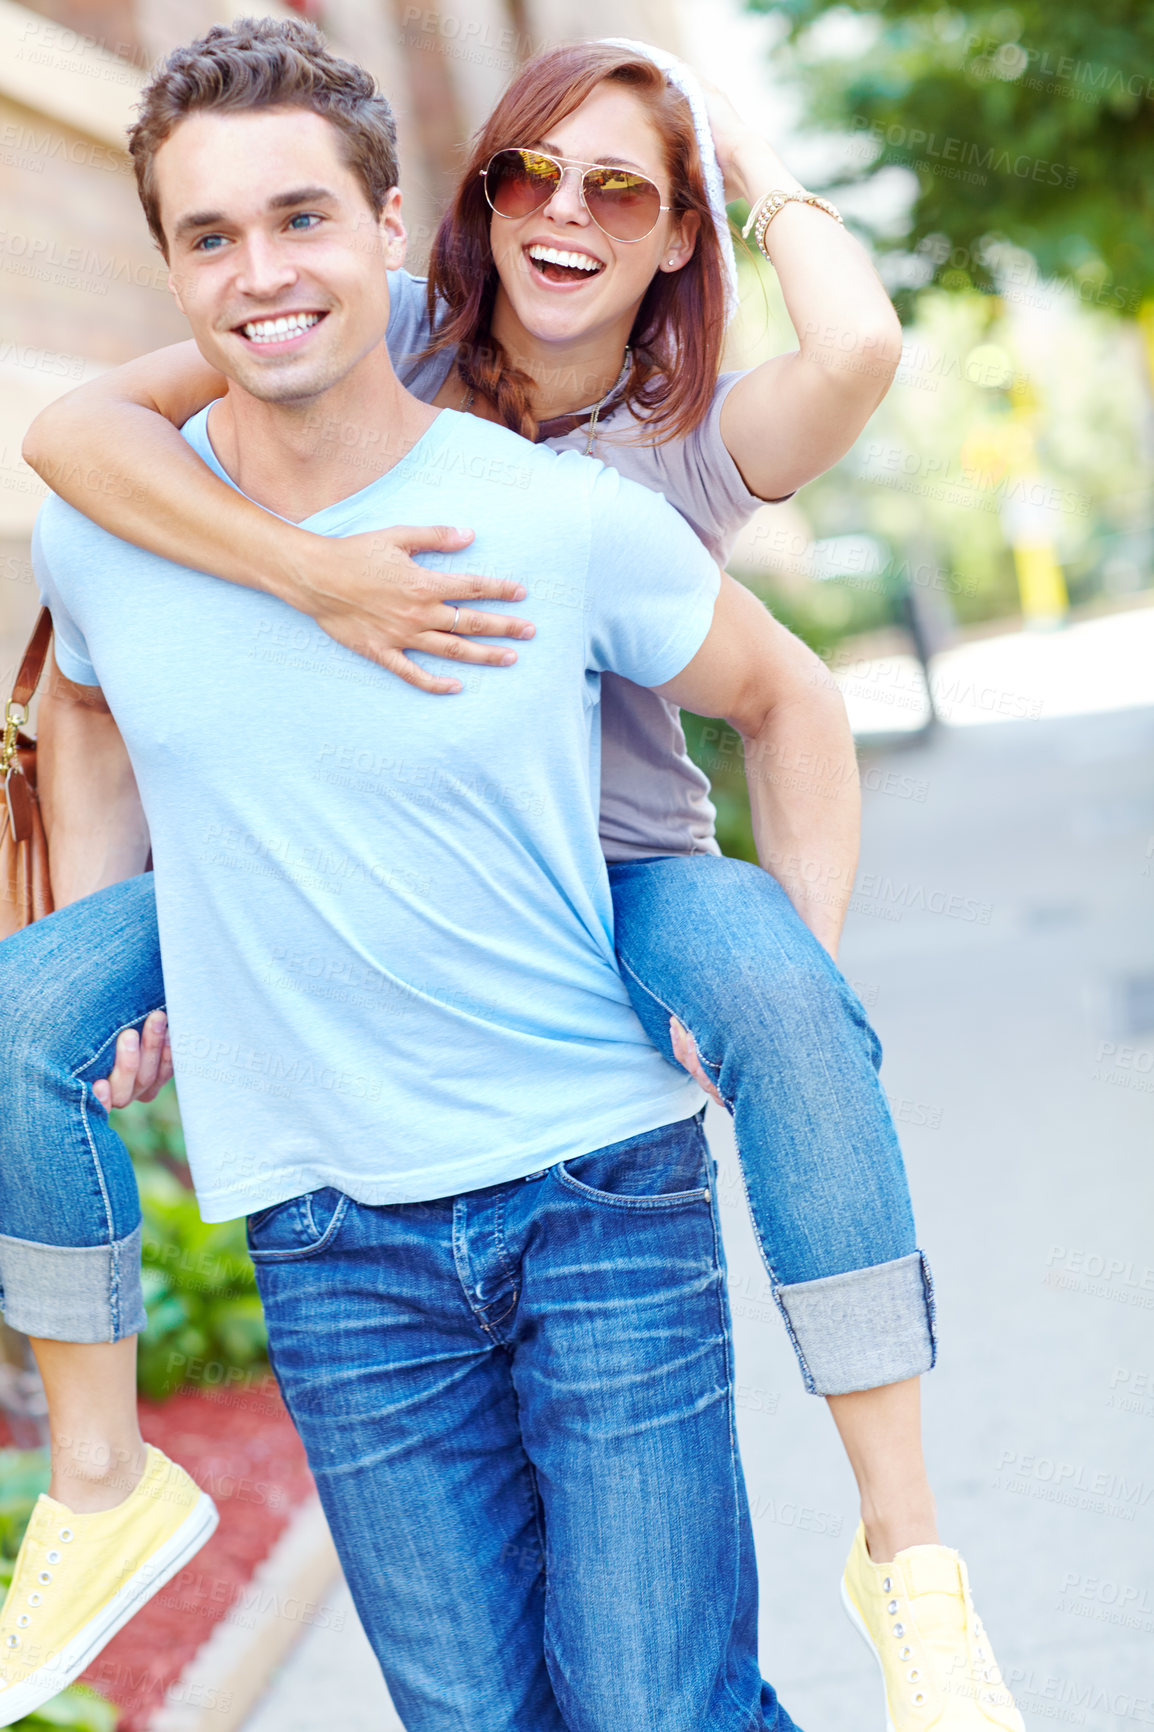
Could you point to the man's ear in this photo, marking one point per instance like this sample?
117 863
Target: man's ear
393 230
174 290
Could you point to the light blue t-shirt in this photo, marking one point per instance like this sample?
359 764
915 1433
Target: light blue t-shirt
385 916
654 799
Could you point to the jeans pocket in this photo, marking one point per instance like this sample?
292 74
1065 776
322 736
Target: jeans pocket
298 1228
663 1169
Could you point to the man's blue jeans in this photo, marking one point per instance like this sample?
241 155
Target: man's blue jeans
518 1407
714 941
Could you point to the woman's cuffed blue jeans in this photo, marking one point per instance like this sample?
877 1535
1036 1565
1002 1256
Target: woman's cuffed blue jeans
712 941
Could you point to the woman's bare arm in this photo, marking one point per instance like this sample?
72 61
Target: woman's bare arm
97 835
112 448
793 417
93 820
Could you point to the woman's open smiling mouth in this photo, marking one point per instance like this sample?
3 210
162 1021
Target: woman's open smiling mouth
562 264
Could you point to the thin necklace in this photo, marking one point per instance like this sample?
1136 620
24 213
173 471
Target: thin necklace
617 385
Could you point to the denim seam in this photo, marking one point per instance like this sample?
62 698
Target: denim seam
710 1063
807 1377
931 1306
114 1305
508 1267
460 1264
809 1381
751 1717
298 1252
488 1328
718 1254
662 1200
111 1039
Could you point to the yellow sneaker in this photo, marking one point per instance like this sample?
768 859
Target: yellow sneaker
79 1578
917 1616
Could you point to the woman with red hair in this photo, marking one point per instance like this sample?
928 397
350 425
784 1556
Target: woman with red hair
579 289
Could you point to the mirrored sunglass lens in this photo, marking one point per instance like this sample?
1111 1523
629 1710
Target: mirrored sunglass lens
520 181
626 205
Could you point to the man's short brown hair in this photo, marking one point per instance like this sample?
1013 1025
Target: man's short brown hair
262 63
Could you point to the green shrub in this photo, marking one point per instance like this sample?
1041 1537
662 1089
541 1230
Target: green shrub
79 1708
204 1317
24 1474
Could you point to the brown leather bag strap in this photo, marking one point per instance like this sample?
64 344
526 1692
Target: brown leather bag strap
35 656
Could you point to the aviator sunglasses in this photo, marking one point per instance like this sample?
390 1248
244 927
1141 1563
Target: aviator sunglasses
625 205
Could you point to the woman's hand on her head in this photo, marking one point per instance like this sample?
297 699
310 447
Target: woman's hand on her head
369 593
729 132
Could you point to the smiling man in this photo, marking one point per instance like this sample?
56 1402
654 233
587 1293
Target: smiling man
480 1202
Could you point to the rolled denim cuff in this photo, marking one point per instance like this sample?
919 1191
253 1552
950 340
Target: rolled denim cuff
81 1293
865 1328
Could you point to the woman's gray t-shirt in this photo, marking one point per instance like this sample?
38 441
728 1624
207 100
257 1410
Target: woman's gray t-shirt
654 799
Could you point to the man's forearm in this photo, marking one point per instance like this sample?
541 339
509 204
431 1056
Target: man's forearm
805 799
93 819
799 755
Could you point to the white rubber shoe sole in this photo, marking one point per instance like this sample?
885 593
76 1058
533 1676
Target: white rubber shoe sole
859 1625
48 1681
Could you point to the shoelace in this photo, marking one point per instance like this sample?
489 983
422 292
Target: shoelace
52 1557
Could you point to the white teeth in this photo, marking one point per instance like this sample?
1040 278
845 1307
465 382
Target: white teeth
575 261
276 330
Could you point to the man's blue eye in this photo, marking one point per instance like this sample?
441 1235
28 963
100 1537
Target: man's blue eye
305 218
209 243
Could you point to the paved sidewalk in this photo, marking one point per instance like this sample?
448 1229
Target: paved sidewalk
1002 939
1086 668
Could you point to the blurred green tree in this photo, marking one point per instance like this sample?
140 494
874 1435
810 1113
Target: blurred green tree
1031 123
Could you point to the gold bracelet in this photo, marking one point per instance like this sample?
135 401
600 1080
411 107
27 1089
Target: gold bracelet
768 205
